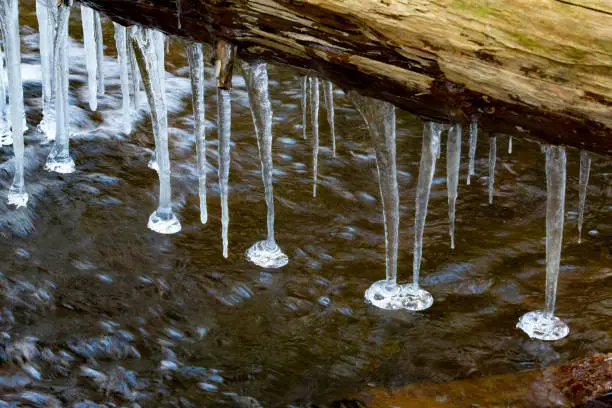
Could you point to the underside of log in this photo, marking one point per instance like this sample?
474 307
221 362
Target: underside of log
539 69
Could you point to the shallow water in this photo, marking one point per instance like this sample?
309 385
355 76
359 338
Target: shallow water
185 326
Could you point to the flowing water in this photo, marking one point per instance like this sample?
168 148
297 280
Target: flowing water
96 306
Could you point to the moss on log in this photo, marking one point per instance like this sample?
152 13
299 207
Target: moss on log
524 67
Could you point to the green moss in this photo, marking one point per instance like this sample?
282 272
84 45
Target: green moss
526 41
478 8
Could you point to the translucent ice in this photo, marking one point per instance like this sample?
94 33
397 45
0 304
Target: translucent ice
328 91
472 152
266 253
453 159
91 62
585 169
543 324
314 117
224 127
122 54
144 41
47 17
492 160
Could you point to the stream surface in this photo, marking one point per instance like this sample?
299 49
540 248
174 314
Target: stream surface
95 306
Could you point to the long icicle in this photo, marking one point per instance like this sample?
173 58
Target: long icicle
492 160
195 56
585 169
380 118
46 27
543 324
472 152
9 12
59 159
314 117
89 42
224 64
427 167
304 102
266 253
122 54
160 52
6 139
453 160
163 219
328 91
134 79
99 43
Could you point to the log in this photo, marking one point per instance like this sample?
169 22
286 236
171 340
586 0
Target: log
568 385
532 68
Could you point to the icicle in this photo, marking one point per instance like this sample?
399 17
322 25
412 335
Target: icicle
224 126
492 160
543 324
99 41
510 145
6 139
314 117
380 118
59 159
47 17
9 24
328 90
304 101
266 253
135 77
472 152
178 14
89 42
196 68
163 219
585 169
122 54
431 146
453 159
223 70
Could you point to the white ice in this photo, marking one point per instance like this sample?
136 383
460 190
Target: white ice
9 24
47 17
195 56
224 127
122 55
91 60
304 102
59 159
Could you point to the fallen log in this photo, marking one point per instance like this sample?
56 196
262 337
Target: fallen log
533 68
568 385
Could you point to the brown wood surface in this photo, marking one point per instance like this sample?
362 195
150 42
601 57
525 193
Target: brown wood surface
533 68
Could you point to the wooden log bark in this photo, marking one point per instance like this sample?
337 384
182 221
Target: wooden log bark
536 68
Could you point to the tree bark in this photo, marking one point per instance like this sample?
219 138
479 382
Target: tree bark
524 67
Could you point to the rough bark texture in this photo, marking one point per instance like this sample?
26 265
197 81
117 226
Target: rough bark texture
540 68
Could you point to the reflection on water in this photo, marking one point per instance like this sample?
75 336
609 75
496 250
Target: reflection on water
97 307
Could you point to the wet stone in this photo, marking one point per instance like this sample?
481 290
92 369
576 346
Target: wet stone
104 348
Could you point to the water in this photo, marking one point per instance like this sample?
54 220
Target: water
160 312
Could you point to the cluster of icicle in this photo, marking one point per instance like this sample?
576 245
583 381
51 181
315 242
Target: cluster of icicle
141 54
